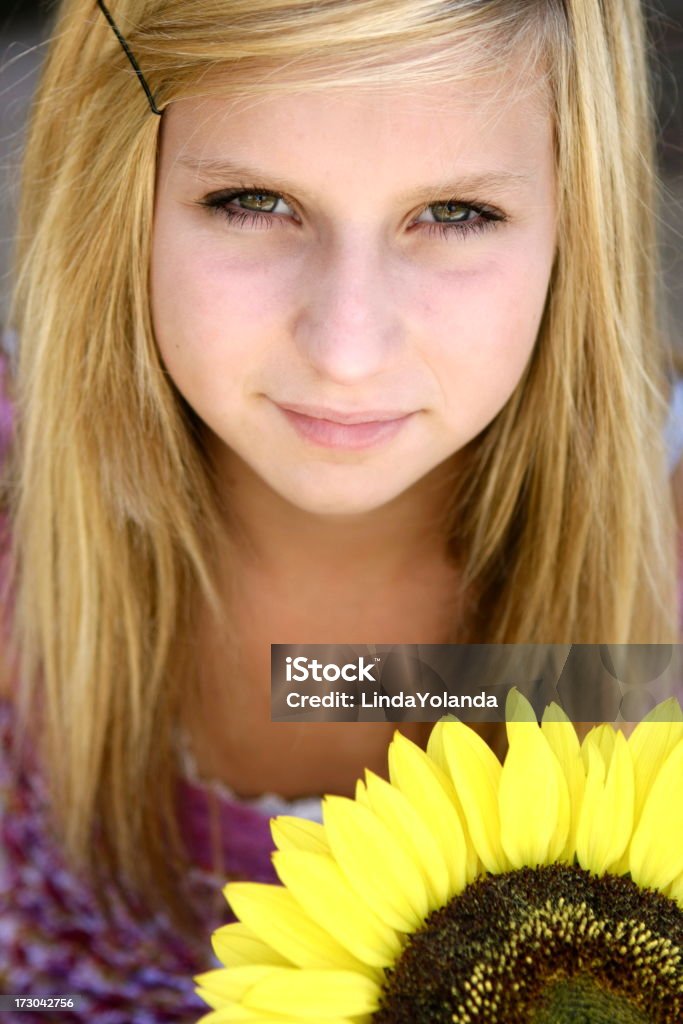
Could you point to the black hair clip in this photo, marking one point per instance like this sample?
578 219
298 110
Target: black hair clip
131 58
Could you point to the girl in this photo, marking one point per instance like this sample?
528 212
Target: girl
341 328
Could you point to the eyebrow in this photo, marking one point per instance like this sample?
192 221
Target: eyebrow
215 171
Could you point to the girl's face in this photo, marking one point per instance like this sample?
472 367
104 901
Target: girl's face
347 285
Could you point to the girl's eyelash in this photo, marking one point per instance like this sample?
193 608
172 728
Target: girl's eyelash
218 203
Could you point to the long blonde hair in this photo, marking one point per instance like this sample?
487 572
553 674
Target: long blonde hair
563 518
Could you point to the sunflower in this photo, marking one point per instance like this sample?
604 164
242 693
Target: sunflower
547 889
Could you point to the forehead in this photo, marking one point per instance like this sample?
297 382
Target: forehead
493 123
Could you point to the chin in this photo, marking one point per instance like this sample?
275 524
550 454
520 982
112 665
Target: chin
337 501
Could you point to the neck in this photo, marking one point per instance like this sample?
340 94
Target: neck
277 537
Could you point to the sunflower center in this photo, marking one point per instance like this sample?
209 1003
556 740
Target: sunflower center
578 1001
546 945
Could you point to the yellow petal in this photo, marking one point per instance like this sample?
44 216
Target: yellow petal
606 819
361 794
432 794
475 772
320 887
237 1012
518 709
228 985
656 858
667 711
310 994
651 742
236 946
214 1001
554 715
385 877
274 916
290 833
532 798
435 749
564 743
230 1013
253 992
397 813
602 738
675 890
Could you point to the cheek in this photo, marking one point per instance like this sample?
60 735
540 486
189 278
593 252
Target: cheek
212 314
480 333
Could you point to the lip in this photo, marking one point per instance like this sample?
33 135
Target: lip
319 412
350 431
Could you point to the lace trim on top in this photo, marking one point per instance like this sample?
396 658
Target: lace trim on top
269 804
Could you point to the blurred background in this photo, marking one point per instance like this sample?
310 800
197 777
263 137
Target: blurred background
25 25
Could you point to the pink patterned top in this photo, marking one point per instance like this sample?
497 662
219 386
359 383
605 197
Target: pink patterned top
53 939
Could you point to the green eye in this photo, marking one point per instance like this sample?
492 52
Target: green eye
262 201
253 207
452 212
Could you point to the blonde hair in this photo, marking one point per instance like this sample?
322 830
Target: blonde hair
563 518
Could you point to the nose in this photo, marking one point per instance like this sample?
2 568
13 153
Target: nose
347 326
